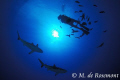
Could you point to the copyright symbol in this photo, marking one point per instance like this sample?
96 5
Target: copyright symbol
74 75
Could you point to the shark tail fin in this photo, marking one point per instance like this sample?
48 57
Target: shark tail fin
18 36
42 64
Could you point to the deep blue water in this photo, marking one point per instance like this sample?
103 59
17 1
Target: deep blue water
36 20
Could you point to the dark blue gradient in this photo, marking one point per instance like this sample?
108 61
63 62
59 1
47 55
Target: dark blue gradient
36 20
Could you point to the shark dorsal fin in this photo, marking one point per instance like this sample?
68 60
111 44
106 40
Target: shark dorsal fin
54 65
32 43
37 45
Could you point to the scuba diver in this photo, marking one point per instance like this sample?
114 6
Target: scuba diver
67 20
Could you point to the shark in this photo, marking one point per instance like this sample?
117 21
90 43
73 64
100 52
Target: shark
34 48
53 68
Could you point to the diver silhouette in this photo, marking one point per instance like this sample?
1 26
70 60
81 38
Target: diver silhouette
67 20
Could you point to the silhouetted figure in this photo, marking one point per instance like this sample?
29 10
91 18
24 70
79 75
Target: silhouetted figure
95 21
53 68
105 31
34 48
77 37
68 35
72 34
84 27
60 26
77 1
89 23
95 5
76 11
88 19
102 12
82 35
84 23
80 11
70 21
101 45
73 31
83 16
80 5
91 29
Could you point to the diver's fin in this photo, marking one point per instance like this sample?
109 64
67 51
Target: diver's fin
18 36
42 64
31 52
